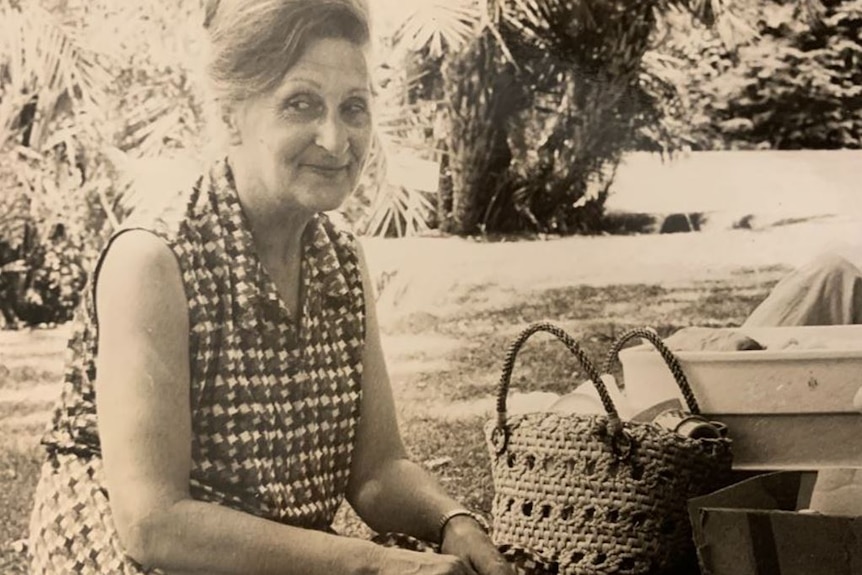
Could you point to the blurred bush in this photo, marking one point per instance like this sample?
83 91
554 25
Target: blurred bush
796 85
88 90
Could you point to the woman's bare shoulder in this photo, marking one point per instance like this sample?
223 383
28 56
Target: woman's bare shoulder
139 273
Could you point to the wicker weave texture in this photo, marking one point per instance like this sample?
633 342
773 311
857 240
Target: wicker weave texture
595 494
561 490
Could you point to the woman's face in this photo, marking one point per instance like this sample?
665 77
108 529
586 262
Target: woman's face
305 142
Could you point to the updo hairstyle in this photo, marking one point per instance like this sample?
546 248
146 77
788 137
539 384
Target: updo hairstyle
253 43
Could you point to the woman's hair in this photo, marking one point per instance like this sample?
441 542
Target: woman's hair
255 42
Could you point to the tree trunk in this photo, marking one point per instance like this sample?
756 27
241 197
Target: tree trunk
482 95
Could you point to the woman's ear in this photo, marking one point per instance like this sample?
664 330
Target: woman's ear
229 118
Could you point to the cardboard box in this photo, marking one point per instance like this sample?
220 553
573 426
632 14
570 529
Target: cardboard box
789 407
754 528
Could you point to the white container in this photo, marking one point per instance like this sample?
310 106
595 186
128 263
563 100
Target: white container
786 407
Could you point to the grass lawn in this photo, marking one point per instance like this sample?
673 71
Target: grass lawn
444 373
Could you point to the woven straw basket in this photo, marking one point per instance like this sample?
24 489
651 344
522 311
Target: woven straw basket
593 493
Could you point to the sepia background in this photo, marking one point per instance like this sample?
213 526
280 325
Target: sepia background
600 164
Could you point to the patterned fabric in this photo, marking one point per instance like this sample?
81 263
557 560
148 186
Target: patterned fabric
274 395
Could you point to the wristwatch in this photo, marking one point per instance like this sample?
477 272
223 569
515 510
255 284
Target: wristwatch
448 516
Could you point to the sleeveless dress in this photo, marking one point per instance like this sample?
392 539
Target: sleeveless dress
274 397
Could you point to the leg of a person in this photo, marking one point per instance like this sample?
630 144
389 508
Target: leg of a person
827 291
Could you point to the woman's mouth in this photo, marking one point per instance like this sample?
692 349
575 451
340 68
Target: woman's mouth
328 171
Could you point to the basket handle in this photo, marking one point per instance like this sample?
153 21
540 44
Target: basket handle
666 354
503 387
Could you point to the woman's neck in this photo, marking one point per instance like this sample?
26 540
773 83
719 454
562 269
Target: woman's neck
277 232
277 227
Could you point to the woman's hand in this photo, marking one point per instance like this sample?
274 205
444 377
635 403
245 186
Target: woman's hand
463 537
392 561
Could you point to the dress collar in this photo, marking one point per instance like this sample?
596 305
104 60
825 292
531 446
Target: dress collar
322 272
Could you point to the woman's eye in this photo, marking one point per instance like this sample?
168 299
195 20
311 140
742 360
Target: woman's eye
356 111
302 105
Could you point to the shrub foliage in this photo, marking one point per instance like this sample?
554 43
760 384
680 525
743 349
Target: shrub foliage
527 105
797 85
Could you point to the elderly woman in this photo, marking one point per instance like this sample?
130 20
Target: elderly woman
227 388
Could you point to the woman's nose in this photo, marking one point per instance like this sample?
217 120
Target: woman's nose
332 135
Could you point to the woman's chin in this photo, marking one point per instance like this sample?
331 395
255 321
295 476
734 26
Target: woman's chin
320 194
325 200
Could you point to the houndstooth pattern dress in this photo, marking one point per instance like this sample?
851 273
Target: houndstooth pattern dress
274 397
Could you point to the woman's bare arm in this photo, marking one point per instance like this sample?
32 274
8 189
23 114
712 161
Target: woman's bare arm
392 493
142 392
389 492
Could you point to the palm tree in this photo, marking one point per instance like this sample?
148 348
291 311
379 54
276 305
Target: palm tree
49 81
541 98
81 98
409 111
593 92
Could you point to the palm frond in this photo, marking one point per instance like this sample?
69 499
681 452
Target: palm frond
399 211
142 183
158 117
394 206
437 25
42 59
593 35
